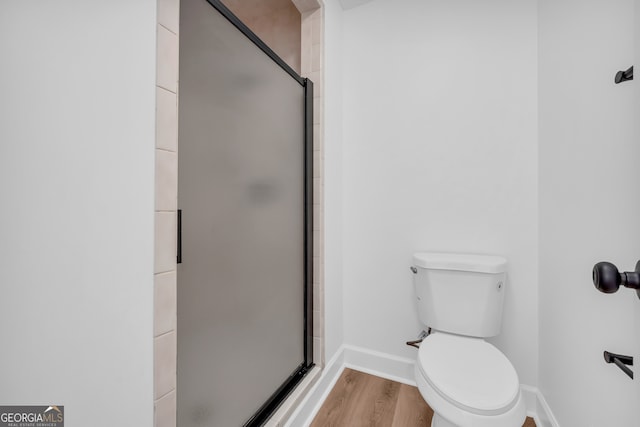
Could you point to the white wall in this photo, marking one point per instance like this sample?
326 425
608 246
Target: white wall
333 254
589 208
76 224
440 154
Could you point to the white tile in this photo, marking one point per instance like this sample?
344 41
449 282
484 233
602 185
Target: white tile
169 14
317 164
321 255
164 368
165 303
319 200
317 323
306 46
320 271
318 107
320 298
306 15
165 411
318 217
304 6
318 352
166 120
316 57
316 297
316 269
317 223
316 33
167 59
317 84
165 242
317 137
315 13
319 247
305 61
306 34
166 180
317 189
316 242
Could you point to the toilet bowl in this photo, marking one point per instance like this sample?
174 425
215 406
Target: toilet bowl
468 383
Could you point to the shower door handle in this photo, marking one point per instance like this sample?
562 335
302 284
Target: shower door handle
179 238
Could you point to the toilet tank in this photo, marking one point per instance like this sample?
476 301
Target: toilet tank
460 293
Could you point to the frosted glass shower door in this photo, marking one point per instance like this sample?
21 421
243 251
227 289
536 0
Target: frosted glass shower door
242 178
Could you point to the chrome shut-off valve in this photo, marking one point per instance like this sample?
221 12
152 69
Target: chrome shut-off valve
608 279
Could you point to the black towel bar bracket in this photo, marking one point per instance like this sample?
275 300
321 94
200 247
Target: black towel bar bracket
623 76
621 361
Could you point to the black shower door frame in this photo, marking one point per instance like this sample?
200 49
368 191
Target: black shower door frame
279 395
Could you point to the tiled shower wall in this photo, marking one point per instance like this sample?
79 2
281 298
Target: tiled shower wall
166 205
165 295
311 64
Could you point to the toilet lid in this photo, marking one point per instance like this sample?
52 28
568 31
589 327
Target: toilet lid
469 372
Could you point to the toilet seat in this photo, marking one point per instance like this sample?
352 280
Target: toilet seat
469 373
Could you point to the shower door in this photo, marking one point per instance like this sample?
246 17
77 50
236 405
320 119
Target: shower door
244 194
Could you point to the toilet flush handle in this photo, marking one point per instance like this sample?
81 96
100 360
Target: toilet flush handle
414 270
608 279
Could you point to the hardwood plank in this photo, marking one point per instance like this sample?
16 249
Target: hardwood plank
411 410
338 401
359 399
384 395
363 400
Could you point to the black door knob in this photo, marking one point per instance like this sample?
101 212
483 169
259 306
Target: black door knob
608 279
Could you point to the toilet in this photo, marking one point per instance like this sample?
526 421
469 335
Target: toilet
465 380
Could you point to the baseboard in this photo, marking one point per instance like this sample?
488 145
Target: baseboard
311 404
369 361
394 368
530 397
537 407
293 401
545 415
380 364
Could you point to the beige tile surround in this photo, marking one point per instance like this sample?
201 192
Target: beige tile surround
312 62
276 22
165 290
166 204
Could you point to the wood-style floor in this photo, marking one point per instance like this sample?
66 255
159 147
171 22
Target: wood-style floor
359 400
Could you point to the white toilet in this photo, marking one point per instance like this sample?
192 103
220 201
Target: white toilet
466 381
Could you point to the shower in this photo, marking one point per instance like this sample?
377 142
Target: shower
244 194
